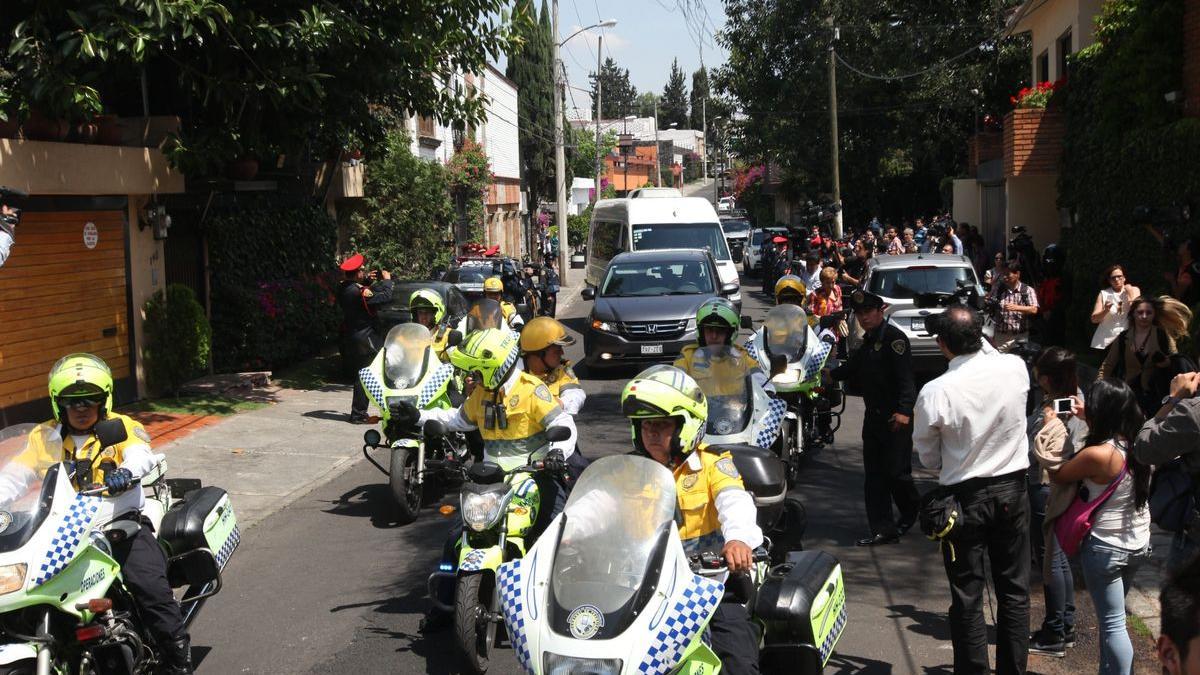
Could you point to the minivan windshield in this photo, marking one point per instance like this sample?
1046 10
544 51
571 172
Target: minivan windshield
908 282
649 237
657 278
735 226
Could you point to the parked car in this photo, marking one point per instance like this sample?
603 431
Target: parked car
645 306
725 204
642 224
898 279
737 234
396 312
469 275
751 260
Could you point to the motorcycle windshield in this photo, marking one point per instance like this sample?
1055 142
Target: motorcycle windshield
617 525
721 373
485 313
786 331
404 351
29 456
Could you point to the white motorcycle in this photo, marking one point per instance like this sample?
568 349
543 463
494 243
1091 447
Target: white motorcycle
609 590
739 410
64 607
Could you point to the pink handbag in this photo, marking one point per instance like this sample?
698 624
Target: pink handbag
1073 526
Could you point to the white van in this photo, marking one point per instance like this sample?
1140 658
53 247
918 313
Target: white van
647 224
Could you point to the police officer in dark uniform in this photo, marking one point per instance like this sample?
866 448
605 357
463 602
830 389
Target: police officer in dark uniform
359 304
882 370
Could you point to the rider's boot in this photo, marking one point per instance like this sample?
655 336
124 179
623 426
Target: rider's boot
177 656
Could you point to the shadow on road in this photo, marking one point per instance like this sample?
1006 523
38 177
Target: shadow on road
374 501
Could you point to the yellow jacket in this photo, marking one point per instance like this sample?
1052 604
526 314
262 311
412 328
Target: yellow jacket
714 502
723 375
565 387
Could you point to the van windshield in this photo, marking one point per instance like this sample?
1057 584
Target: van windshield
649 237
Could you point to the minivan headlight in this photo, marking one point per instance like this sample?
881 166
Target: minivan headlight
482 510
604 326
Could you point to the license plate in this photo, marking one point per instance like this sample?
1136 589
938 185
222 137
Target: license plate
918 324
652 349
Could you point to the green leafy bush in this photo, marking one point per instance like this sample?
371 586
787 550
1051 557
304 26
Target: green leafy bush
178 338
273 283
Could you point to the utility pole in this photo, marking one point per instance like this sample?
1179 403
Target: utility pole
657 161
716 164
704 132
560 160
599 99
833 131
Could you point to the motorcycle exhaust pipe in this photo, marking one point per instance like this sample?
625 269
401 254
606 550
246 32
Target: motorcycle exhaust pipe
431 586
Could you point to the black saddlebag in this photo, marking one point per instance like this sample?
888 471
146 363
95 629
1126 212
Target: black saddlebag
802 605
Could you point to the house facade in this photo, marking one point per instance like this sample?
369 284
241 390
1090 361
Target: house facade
1012 177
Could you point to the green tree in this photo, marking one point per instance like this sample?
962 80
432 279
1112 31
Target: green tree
700 92
530 69
406 222
252 77
584 161
645 104
619 96
673 107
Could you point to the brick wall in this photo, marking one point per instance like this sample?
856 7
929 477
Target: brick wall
983 147
1032 141
1191 57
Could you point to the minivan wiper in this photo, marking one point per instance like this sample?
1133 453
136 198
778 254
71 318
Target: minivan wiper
683 293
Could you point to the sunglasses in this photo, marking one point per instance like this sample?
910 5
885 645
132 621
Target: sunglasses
78 403
1116 277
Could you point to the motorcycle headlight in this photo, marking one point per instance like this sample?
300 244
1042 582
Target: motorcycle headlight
557 664
482 510
12 578
393 400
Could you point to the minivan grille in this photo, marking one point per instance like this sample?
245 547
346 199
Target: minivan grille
654 330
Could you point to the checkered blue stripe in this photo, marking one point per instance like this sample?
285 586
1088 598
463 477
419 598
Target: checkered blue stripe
230 545
813 361
474 561
66 540
434 384
509 362
371 384
771 422
831 639
512 603
680 625
751 349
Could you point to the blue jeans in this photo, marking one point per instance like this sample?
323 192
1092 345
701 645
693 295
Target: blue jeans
1059 587
1108 572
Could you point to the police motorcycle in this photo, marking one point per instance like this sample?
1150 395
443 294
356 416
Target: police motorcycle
64 607
499 509
739 409
407 370
609 589
791 354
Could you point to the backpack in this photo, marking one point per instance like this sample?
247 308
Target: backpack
1172 496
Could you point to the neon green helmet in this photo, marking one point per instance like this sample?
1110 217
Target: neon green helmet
78 376
666 391
719 313
429 299
491 352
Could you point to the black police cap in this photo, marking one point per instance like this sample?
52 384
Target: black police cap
861 299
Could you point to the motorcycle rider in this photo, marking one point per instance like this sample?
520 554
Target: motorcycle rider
791 290
668 412
81 387
493 289
429 310
716 325
542 342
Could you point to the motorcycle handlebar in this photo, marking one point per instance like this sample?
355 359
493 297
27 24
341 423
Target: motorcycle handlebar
713 563
91 492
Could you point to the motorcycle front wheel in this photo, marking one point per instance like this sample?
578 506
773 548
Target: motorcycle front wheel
405 491
473 598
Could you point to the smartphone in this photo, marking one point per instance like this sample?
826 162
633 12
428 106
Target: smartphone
1062 406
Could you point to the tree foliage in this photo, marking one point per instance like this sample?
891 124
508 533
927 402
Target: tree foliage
530 68
584 161
618 96
700 92
178 338
674 104
778 74
252 77
646 102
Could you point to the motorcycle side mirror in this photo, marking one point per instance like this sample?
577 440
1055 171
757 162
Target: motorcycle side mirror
111 432
433 429
778 364
747 322
558 434
454 339
588 293
372 438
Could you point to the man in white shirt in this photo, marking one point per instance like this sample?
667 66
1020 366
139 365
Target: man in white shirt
810 274
970 424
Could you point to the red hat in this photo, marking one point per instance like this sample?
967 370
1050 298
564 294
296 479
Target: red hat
353 263
492 250
779 240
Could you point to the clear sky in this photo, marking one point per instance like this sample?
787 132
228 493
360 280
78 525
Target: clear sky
648 34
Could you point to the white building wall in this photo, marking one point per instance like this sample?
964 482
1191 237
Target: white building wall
499 134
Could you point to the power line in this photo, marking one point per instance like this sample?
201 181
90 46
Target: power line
917 73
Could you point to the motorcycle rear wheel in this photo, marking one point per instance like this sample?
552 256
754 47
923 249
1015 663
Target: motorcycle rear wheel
472 596
406 493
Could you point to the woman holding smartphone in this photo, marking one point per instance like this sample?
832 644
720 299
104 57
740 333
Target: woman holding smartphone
1111 305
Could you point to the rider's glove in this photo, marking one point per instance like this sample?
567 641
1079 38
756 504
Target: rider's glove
555 462
118 481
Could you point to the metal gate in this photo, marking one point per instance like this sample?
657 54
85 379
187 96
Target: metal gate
995 231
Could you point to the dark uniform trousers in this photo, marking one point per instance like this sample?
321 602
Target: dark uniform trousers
144 569
734 639
361 340
887 473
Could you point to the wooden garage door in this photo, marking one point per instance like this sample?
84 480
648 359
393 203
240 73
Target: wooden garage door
58 295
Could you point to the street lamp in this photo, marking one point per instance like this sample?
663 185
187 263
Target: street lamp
560 159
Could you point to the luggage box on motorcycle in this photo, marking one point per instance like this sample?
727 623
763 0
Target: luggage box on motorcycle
204 520
764 477
802 604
